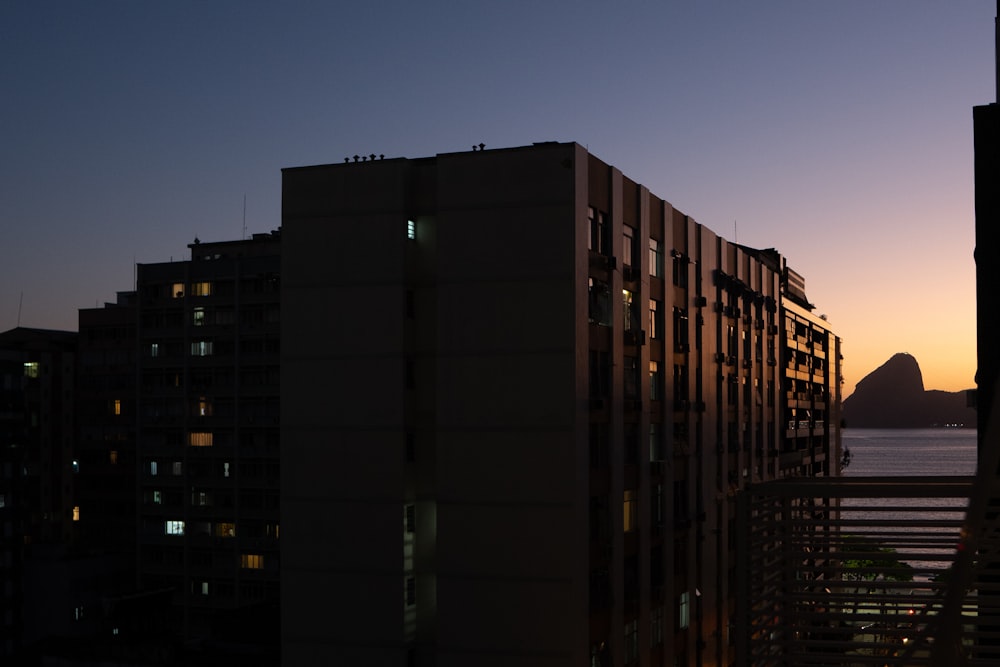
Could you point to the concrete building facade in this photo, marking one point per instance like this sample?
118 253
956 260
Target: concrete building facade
519 395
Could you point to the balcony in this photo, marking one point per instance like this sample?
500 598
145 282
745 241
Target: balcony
863 571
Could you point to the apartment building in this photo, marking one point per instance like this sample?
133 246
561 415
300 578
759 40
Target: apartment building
520 393
37 471
205 419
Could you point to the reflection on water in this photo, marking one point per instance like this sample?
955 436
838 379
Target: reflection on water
910 452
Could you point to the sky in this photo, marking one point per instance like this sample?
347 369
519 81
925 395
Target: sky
839 133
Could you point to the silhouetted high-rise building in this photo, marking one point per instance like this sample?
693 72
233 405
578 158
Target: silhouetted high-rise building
519 395
206 436
37 470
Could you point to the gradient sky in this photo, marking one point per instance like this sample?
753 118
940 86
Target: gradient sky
839 133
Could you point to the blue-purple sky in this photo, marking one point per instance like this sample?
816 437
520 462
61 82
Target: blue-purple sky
838 132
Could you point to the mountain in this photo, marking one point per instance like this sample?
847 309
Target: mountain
893 396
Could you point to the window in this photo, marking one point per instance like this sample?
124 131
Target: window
201 498
177 290
631 320
599 302
201 348
200 439
225 530
684 610
113 457
598 241
409 518
655 319
630 507
204 407
116 406
252 561
76 513
198 317
655 626
152 468
655 258
631 641
201 289
628 247
599 380
411 591
655 442
174 527
154 349
680 274
31 369
225 469
204 588
655 382
178 468
631 379
680 328
411 230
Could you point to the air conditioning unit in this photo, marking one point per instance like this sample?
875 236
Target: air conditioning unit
700 302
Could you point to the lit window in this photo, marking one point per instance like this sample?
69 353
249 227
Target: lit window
629 506
654 319
177 290
75 465
655 258
204 407
198 317
31 369
684 610
154 349
117 407
252 561
152 467
631 321
174 527
204 588
201 348
200 439
201 289
76 513
201 498
411 229
225 530
157 498
178 468
225 469
113 457
655 381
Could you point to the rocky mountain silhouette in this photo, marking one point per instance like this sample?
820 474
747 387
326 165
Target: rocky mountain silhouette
893 396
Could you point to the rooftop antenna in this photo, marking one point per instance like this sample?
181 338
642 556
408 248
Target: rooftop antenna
996 49
21 301
245 209
736 234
